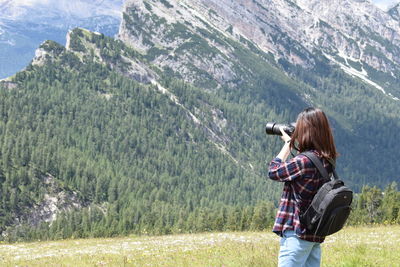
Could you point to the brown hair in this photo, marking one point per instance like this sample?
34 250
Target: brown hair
313 132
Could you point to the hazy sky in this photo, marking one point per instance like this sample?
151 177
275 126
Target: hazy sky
384 4
80 8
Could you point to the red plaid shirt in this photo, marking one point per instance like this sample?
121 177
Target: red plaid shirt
302 181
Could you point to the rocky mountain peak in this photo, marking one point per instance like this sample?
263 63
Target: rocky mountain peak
47 50
342 31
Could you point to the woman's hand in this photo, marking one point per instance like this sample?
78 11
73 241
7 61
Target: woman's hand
285 137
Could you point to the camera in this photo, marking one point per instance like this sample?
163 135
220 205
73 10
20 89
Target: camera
272 128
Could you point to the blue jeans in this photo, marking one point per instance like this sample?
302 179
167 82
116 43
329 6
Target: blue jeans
295 252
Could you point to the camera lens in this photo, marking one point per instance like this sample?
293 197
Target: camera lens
273 128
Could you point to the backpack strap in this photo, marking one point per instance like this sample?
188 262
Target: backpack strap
317 162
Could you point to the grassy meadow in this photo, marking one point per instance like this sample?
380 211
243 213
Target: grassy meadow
361 246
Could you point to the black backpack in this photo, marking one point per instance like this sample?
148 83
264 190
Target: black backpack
330 206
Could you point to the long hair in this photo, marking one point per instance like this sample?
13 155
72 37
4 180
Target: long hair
313 132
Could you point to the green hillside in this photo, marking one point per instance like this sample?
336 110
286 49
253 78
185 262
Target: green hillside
120 145
137 159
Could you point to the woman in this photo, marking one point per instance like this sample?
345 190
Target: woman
302 181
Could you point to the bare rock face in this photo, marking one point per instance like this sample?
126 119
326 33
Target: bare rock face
271 25
297 31
367 33
173 37
55 201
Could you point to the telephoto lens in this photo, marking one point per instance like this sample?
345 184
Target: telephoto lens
272 128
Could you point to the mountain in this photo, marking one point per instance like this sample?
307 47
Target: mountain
162 129
356 35
24 25
199 41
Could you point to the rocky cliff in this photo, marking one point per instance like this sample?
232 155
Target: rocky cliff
355 35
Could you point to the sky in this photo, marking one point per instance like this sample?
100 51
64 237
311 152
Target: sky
81 8
384 4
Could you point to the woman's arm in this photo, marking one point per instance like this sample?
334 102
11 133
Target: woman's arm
282 170
285 151
286 171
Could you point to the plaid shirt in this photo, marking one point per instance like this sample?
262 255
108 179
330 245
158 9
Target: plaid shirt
302 181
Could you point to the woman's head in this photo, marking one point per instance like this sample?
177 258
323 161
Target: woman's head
313 132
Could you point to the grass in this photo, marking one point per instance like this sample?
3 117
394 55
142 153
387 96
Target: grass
361 246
